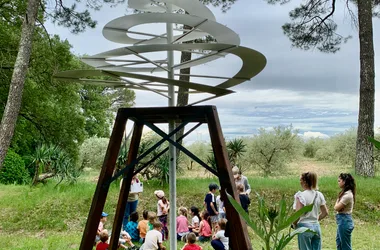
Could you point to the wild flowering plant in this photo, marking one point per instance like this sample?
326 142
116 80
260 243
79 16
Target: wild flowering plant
272 224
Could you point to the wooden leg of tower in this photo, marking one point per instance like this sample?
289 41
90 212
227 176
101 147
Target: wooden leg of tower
124 191
102 187
238 239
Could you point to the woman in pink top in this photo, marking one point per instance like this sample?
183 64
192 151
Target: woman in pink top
204 227
182 223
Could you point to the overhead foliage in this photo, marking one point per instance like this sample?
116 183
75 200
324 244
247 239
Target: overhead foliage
313 25
17 60
53 112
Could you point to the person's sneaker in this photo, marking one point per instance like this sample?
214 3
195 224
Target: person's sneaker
184 238
134 248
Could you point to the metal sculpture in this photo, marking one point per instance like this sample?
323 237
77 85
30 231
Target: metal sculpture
128 72
115 64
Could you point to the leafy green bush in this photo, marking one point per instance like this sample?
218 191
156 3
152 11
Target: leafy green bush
92 152
311 147
13 171
339 148
270 150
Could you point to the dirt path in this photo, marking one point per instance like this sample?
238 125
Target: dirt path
300 165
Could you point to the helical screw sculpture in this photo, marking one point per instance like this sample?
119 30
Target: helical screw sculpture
115 63
125 70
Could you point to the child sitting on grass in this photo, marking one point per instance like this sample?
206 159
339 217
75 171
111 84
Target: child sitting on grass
194 227
126 239
143 226
153 239
182 223
190 245
132 226
103 245
103 220
152 217
220 241
204 230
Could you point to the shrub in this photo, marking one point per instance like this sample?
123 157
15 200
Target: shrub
272 223
13 171
339 148
92 152
270 150
312 146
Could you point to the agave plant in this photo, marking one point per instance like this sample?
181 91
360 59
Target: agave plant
273 223
51 161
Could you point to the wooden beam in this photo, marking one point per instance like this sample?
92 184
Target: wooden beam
124 191
101 191
238 239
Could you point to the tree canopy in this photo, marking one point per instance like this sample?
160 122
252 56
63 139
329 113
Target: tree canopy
53 112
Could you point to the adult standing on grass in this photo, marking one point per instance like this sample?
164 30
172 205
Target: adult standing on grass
310 195
133 199
241 179
344 206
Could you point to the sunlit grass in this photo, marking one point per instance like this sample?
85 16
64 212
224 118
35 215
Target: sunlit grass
49 217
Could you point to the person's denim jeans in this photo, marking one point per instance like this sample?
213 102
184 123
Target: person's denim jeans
344 231
308 240
217 245
129 208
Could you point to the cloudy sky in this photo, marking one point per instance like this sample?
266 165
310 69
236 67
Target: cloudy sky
316 92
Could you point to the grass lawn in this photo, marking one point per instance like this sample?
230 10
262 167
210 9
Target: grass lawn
46 217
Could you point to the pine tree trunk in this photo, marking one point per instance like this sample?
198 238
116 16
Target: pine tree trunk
12 108
364 164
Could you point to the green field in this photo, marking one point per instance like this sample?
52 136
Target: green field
49 217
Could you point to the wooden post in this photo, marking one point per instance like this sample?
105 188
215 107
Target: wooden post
238 239
102 187
123 196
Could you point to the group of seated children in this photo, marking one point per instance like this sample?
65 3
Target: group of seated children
152 230
211 224
202 229
102 236
147 231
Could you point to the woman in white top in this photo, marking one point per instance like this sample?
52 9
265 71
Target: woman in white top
343 207
309 195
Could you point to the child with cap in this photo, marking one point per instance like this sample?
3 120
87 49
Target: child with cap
162 212
103 219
